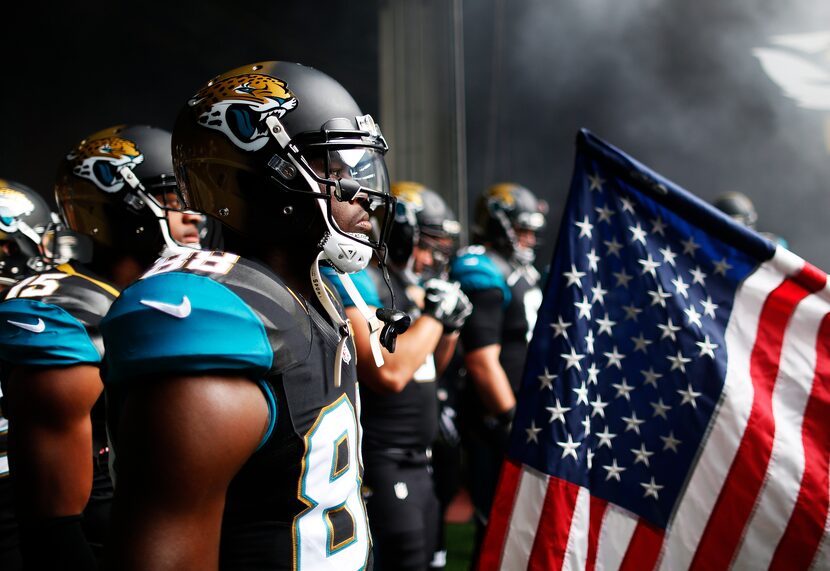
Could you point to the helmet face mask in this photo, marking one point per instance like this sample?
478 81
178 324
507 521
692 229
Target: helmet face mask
24 218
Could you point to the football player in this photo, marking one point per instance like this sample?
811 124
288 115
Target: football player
51 350
399 413
498 276
231 374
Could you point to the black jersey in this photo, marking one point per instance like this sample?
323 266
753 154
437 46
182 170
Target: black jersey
296 502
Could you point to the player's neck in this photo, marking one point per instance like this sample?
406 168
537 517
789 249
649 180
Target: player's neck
292 266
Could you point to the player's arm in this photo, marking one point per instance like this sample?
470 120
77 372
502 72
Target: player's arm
444 351
181 441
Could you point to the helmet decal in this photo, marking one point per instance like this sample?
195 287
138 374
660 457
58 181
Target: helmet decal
409 192
99 160
502 193
13 205
238 106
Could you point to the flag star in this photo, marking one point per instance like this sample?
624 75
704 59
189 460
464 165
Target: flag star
581 394
584 307
650 377
585 227
681 287
627 205
592 374
586 424
689 246
614 470
573 358
569 447
669 330
651 489
557 412
623 389
598 407
605 214
641 343
589 342
706 347
614 358
533 432
574 277
592 260
641 454
632 422
605 325
668 256
658 227
698 277
631 312
623 278
693 316
595 181
638 234
722 267
546 380
660 408
670 442
613 246
560 328
589 457
678 362
709 307
689 396
598 294
658 296
605 438
649 265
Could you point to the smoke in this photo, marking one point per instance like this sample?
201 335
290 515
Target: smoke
675 83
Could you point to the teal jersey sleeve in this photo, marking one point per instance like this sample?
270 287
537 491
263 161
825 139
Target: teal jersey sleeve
362 281
477 272
37 333
183 323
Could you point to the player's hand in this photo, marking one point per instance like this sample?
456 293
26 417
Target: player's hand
446 302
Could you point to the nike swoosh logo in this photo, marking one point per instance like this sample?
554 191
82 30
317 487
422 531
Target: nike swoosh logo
38 327
179 311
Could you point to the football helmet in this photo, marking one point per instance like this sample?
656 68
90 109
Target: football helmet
503 209
738 206
108 185
24 217
265 147
422 218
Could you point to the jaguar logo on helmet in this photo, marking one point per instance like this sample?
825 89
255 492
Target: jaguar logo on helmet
100 160
502 193
238 106
13 205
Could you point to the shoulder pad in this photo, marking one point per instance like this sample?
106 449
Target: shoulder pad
362 281
37 333
476 271
182 323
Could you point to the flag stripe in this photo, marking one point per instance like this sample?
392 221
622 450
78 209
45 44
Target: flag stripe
644 549
618 526
790 396
730 420
491 548
527 508
598 506
737 498
577 550
554 525
807 522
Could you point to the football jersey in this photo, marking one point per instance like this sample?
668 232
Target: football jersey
52 319
295 503
408 419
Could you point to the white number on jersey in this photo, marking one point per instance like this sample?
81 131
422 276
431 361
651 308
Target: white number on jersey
210 262
37 286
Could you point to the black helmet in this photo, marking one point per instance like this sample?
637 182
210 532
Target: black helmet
107 185
24 217
421 218
503 208
264 147
738 206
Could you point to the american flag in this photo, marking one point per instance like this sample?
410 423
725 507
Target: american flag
675 407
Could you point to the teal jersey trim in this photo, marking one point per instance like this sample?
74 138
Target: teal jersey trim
362 281
271 399
37 333
477 272
182 323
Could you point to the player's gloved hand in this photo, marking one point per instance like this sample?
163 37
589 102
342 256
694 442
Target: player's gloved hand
446 302
497 429
447 427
